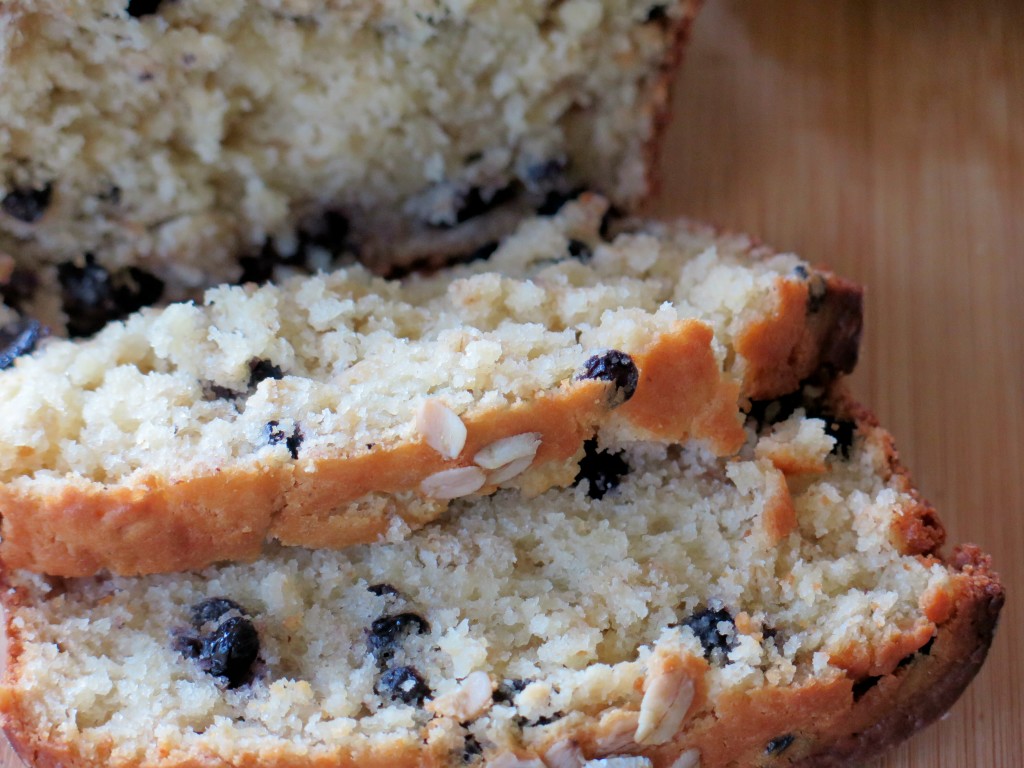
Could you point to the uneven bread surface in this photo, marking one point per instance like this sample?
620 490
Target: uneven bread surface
162 141
783 607
326 410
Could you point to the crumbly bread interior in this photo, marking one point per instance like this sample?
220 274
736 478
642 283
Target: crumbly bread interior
179 135
344 361
567 593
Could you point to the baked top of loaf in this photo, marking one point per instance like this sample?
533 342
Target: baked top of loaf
783 607
176 137
324 410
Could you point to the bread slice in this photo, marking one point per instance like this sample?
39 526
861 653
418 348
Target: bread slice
152 147
323 411
784 607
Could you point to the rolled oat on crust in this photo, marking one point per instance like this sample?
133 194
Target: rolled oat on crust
644 617
330 410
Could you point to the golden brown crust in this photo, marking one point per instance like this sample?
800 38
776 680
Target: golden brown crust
917 530
153 526
927 685
816 329
659 94
681 394
779 515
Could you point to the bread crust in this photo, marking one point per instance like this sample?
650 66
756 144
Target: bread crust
836 720
659 97
155 524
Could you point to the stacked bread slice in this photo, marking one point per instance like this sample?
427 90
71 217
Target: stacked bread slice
786 606
748 579
569 490
327 409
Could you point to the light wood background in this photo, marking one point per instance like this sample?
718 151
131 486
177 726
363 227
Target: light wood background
885 138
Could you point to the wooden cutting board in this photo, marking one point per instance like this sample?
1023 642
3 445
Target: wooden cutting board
885 138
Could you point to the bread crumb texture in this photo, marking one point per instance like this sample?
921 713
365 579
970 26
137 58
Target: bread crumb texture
176 136
346 363
587 623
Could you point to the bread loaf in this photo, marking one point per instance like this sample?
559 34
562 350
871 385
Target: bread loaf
149 149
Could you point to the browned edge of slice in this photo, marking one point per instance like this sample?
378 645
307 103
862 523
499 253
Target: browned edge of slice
160 524
659 98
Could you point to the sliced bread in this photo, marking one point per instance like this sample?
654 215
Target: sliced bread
784 607
323 411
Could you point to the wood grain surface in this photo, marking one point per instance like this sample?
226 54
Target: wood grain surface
885 138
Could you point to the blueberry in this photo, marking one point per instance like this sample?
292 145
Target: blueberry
616 367
609 218
331 233
20 287
603 470
212 609
27 204
383 590
389 631
704 624
88 296
580 250
474 203
767 412
779 744
554 200
801 271
471 748
230 650
843 431
92 296
657 13
138 8
481 252
259 267
292 442
403 684
261 370
544 174
19 338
